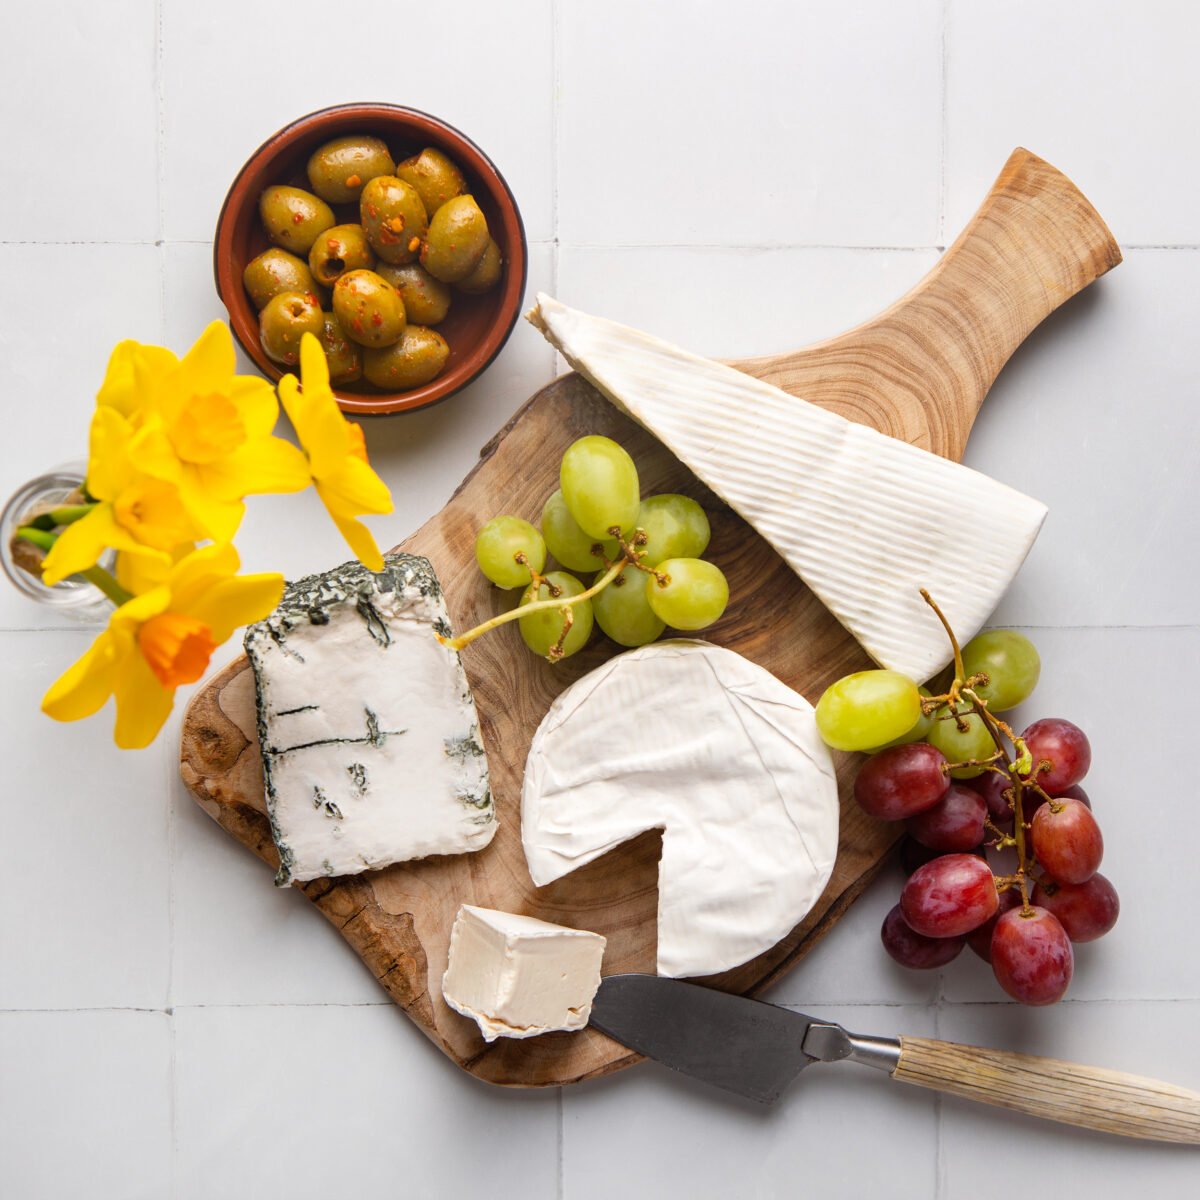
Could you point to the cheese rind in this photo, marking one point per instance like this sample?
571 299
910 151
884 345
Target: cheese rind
699 742
370 740
519 976
864 519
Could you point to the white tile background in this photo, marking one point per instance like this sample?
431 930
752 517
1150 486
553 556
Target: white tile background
742 180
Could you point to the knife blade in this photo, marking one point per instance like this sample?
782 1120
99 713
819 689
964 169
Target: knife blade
744 1046
756 1049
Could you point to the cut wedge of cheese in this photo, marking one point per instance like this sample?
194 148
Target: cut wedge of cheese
370 742
517 976
864 519
699 742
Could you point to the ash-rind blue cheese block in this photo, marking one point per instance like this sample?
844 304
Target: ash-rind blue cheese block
370 740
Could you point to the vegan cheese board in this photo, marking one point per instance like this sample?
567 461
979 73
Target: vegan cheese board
917 373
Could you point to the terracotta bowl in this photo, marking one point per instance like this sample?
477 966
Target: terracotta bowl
476 326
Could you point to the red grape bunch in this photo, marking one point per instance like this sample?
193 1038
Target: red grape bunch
964 782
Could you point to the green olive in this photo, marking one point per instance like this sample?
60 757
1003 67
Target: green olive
275 271
394 218
338 250
369 308
457 238
426 300
486 274
338 170
284 321
293 217
434 176
343 356
419 356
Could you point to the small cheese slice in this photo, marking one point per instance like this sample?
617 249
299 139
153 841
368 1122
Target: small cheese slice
699 742
864 519
517 976
370 741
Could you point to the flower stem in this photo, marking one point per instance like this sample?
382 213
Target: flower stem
525 610
97 576
66 514
104 580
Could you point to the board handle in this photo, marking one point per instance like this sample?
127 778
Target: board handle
1035 242
1092 1097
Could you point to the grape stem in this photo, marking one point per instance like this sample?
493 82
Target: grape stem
525 610
962 688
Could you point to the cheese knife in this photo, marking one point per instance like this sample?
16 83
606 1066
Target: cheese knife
756 1049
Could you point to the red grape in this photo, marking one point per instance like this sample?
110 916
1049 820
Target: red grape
1086 910
1031 956
911 949
992 787
1064 746
901 781
1074 792
1068 842
949 896
955 822
980 940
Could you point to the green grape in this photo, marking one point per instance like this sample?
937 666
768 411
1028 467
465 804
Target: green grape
695 595
918 733
624 612
499 542
1011 662
675 527
959 745
600 485
541 630
867 709
567 542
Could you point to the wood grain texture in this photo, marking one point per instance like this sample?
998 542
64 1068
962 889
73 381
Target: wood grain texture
1091 1097
919 371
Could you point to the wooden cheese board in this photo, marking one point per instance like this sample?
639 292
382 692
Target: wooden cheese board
919 371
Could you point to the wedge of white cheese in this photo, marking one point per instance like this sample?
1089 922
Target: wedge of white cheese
370 741
699 742
517 976
864 519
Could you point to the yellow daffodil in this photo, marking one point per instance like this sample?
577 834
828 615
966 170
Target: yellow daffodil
206 430
161 640
337 453
130 367
135 513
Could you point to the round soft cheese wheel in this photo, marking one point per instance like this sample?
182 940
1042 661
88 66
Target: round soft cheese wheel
699 742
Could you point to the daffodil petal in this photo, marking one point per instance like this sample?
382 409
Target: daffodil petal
268 465
360 540
319 424
209 365
151 449
256 404
84 687
355 488
238 601
108 458
214 516
152 366
202 569
314 366
143 704
118 389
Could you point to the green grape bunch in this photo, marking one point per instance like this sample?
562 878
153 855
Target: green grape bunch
641 558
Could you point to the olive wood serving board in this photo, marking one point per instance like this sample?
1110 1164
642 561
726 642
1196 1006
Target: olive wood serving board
919 371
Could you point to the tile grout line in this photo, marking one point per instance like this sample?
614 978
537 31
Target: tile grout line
555 132
161 246
561 1177
945 123
939 1155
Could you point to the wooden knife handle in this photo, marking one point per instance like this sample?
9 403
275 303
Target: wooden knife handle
1092 1097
